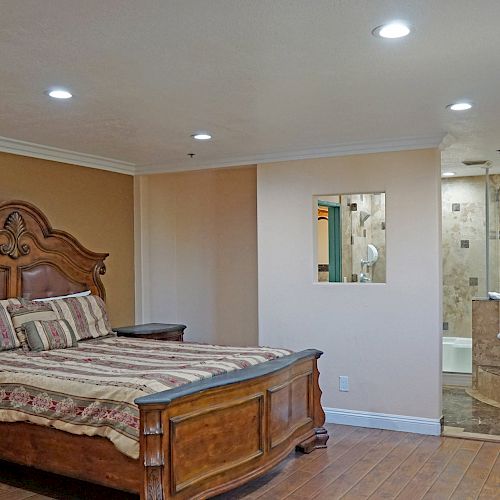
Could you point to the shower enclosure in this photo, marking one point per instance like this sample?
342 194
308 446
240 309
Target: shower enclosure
471 258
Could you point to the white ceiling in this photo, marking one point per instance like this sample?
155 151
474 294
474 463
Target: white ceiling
270 79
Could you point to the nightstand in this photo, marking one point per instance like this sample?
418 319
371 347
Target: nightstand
156 331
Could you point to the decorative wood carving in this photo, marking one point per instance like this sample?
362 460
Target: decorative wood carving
14 228
154 488
152 454
321 436
27 239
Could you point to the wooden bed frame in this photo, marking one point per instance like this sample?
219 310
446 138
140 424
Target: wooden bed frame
196 441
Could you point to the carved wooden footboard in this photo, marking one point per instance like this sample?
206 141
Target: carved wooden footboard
208 437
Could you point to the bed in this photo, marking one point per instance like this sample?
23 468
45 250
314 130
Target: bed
197 439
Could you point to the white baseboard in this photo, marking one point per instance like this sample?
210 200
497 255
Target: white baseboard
417 425
461 379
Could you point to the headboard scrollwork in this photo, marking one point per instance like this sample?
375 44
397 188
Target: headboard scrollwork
38 261
14 228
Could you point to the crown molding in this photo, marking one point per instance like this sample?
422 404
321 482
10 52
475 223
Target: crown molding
24 148
407 143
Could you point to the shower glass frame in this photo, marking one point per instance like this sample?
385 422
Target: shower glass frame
492 236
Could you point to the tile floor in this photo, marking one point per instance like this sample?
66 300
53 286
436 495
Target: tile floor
463 411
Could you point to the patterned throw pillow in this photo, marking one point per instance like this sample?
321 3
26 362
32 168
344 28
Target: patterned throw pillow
47 335
8 338
86 315
28 311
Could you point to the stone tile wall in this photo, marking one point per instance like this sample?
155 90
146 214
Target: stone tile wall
464 257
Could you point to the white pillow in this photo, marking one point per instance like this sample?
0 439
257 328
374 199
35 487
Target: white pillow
70 296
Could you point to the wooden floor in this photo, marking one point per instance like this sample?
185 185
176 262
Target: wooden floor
358 464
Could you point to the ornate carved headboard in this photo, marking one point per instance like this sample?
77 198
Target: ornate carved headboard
37 261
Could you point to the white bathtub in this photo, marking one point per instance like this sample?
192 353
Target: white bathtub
457 354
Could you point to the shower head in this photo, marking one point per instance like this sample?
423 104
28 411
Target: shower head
363 216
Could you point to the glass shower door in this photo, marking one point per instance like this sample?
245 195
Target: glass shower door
493 252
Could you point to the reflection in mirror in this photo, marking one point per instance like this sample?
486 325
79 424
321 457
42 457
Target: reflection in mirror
351 237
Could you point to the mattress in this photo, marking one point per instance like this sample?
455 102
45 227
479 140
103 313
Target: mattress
91 389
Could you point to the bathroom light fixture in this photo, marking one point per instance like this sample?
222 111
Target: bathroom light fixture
394 29
60 94
459 106
448 174
201 136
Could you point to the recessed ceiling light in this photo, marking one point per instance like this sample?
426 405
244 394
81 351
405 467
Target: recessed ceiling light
395 29
60 94
201 136
448 174
459 106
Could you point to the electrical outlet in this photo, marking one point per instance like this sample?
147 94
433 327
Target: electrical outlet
344 383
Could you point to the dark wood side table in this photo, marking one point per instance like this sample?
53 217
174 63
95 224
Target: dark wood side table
157 331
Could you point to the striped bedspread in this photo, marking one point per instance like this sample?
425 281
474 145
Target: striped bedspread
91 389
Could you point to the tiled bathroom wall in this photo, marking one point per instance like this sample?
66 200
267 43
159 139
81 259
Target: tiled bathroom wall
378 238
464 257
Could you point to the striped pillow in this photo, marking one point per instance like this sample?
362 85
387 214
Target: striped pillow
86 315
28 311
8 338
47 335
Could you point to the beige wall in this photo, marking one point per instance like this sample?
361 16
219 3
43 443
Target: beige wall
197 253
385 337
93 205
